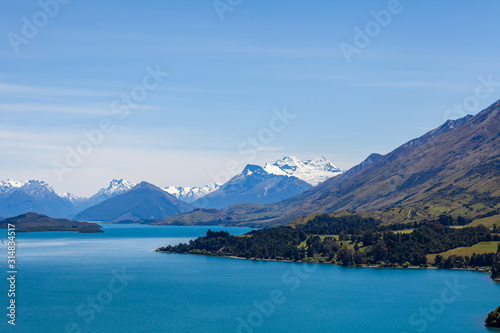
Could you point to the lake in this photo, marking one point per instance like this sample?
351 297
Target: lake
113 282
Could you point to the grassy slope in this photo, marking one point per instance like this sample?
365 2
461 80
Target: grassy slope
479 248
487 221
304 245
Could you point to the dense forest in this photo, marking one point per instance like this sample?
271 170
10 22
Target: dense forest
493 319
352 240
495 268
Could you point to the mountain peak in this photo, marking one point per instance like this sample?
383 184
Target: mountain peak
251 169
191 194
254 186
120 183
143 201
29 196
146 185
116 186
311 171
31 187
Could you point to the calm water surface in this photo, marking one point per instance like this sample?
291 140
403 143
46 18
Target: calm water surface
112 282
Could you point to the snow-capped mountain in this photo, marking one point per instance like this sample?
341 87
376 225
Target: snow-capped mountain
34 187
143 201
9 184
80 203
191 194
71 197
37 188
311 171
116 186
253 185
19 197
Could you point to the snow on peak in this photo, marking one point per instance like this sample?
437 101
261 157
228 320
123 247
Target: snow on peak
9 184
71 197
311 171
191 194
35 188
118 185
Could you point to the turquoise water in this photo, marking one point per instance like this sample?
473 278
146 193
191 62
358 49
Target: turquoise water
111 282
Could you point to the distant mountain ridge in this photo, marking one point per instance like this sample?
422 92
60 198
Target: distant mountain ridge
253 185
17 197
191 194
142 202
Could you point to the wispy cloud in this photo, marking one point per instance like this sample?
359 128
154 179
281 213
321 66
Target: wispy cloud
88 109
9 89
34 141
6 88
270 149
412 84
206 45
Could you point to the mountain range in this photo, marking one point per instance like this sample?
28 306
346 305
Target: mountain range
453 169
142 202
18 197
255 186
190 194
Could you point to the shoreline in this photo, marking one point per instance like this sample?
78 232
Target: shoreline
480 270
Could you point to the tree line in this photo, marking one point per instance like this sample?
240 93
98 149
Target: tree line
351 240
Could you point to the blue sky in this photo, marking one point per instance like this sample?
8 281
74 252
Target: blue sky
226 79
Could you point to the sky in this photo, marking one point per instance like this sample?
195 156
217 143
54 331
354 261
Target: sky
187 92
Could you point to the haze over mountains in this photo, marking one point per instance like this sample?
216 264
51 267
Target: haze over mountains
19 197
